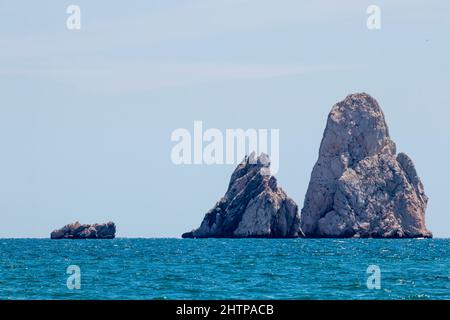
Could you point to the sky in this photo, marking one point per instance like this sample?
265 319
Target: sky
86 116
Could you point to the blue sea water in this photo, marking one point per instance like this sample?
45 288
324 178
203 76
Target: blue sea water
225 268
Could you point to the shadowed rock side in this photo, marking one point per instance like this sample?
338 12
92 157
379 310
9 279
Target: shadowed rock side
359 187
85 231
253 207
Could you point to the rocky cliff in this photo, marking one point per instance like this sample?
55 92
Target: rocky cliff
253 206
359 186
85 231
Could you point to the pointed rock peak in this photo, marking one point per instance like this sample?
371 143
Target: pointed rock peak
359 187
354 100
253 206
250 166
262 160
360 104
356 128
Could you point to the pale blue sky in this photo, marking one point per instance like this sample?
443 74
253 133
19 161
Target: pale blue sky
86 116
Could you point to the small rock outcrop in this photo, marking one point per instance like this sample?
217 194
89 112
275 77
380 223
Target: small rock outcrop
253 206
85 231
359 186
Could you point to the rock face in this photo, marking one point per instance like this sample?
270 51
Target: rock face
85 231
359 187
253 207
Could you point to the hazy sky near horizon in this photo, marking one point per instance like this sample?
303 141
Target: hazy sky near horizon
86 116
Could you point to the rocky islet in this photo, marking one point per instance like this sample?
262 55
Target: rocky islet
359 187
77 230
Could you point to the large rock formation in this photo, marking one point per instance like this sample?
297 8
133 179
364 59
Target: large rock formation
85 231
359 187
253 206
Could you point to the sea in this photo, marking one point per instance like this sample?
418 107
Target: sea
225 269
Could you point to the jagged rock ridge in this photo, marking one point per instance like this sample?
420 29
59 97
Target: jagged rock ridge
359 187
253 206
77 230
